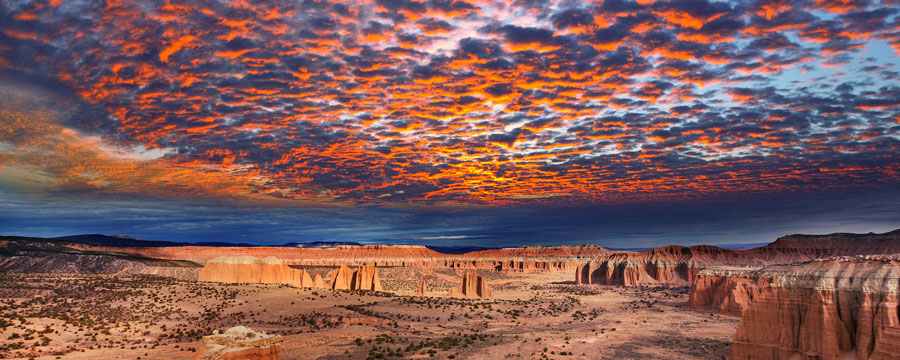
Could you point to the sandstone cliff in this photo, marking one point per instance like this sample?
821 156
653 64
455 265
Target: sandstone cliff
472 286
726 291
840 308
366 278
421 290
241 343
669 265
318 282
342 279
678 265
520 259
798 248
248 269
363 278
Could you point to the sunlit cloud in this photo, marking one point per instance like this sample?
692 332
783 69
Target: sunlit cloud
408 102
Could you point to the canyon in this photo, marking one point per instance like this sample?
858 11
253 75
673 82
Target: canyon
679 266
248 269
363 278
520 259
827 296
835 308
471 286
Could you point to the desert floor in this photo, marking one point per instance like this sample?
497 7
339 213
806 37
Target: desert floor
533 315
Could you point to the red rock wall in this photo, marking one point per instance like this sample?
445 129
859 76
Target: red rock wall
253 270
366 278
635 272
472 286
343 279
723 293
837 308
253 353
782 323
523 259
363 278
678 265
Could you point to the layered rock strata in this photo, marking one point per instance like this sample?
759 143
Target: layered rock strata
520 259
844 307
248 269
241 343
36 255
342 279
726 290
363 278
678 265
472 286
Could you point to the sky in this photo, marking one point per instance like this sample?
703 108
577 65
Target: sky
450 122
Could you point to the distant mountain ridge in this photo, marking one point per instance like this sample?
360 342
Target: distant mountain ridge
126 241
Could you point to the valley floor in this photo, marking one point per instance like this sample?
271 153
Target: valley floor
533 315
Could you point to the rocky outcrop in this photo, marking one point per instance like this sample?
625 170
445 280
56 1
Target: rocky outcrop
363 278
532 251
726 291
520 259
678 265
35 255
248 269
342 279
318 282
517 265
421 290
241 343
669 265
366 278
800 248
472 286
839 308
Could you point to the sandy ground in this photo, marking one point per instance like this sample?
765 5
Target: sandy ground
535 315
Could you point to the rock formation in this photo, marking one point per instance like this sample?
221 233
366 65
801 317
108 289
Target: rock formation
726 290
366 278
318 282
678 265
844 307
241 343
363 278
669 265
421 290
248 269
343 279
23 254
519 259
472 286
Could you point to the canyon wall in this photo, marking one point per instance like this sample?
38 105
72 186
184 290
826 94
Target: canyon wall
843 307
726 291
519 259
678 265
248 269
472 286
241 343
363 278
669 265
